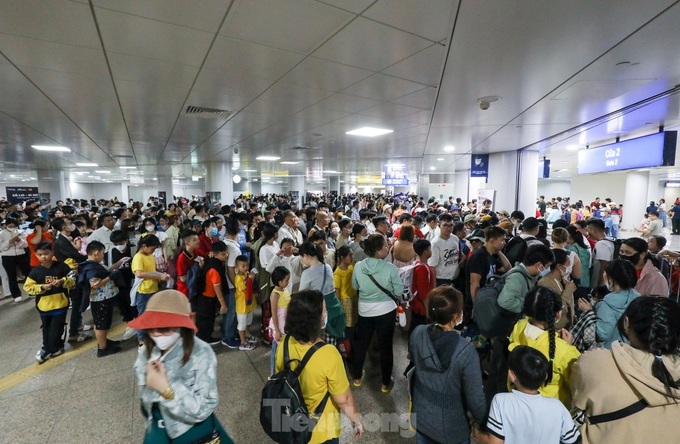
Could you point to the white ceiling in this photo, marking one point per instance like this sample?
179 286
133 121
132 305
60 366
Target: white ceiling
111 78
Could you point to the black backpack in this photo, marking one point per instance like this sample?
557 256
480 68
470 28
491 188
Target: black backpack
617 246
516 249
492 320
283 412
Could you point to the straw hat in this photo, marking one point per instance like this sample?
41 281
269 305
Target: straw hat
165 309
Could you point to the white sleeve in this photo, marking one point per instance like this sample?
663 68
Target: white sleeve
570 433
494 422
434 259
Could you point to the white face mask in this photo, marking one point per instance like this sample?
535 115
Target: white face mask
165 342
325 321
121 248
460 321
72 228
335 230
150 228
610 287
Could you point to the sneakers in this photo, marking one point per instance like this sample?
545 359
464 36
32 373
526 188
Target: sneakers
129 334
86 327
57 353
41 356
251 339
388 388
247 346
213 341
231 343
109 350
82 337
18 299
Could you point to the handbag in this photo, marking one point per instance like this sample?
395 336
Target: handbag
336 314
209 431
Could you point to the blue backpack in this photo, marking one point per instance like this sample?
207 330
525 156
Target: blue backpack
192 280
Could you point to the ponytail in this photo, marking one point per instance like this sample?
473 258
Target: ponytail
310 249
542 304
550 322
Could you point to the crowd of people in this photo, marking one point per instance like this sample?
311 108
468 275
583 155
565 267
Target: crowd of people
587 348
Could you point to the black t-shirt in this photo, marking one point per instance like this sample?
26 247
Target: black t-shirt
541 207
483 263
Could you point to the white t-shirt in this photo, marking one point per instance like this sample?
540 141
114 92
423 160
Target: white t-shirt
445 257
522 418
234 252
604 250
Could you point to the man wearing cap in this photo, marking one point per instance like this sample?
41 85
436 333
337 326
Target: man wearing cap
530 228
470 222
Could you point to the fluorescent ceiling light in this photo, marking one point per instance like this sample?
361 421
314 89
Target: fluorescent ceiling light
270 158
574 147
331 172
128 168
62 149
82 172
563 169
250 171
87 164
287 162
368 131
103 172
433 168
440 159
449 148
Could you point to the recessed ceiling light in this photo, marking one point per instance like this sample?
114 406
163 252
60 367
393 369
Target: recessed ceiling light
128 168
236 178
287 162
331 172
449 148
574 147
440 159
86 164
250 171
61 149
561 170
103 172
269 158
433 168
82 172
368 131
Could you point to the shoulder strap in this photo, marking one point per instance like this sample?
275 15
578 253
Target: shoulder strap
619 414
388 293
308 356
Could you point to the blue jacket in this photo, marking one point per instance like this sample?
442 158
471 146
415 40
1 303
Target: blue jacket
608 312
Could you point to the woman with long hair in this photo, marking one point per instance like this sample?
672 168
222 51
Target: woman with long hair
630 393
650 281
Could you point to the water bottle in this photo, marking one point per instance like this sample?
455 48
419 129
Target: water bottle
402 316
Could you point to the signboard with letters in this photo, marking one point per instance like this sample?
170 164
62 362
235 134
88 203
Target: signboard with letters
395 174
21 194
479 165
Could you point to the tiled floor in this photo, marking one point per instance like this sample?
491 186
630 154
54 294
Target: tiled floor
85 399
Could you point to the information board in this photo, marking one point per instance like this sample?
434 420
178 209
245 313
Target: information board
21 194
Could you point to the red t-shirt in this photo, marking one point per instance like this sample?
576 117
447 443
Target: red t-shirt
46 237
184 263
424 280
204 247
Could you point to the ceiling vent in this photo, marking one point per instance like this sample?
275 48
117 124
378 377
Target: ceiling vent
301 148
123 156
208 113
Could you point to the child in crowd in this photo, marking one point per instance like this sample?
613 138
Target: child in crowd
118 259
423 281
212 283
47 283
280 298
244 303
342 277
95 282
285 257
524 416
146 282
543 308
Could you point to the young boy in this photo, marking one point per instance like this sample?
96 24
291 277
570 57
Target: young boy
95 282
525 416
47 282
244 303
212 286
424 280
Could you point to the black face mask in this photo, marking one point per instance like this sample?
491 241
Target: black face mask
633 259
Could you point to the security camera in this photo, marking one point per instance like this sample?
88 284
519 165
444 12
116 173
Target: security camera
236 149
484 105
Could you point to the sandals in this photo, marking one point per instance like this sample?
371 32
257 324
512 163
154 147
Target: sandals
361 381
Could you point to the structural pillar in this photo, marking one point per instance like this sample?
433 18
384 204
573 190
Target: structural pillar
165 186
55 183
296 187
527 192
424 185
633 205
334 184
218 180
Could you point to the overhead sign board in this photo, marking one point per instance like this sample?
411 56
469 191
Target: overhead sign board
21 194
479 165
643 152
395 174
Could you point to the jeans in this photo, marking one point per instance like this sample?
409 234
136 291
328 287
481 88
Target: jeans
229 319
383 326
53 331
676 225
140 302
10 264
76 315
441 282
5 282
205 316
272 359
498 373
422 439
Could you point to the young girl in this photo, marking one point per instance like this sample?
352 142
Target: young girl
279 300
146 282
342 278
544 308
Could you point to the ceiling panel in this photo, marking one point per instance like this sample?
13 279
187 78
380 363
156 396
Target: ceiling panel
424 67
322 74
293 25
370 45
355 6
205 15
382 87
432 19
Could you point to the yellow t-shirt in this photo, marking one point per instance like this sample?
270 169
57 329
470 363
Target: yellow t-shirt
342 279
145 262
325 372
242 305
284 298
565 356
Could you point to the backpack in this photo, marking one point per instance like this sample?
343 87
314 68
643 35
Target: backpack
566 216
406 275
516 249
617 246
283 413
192 280
493 320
